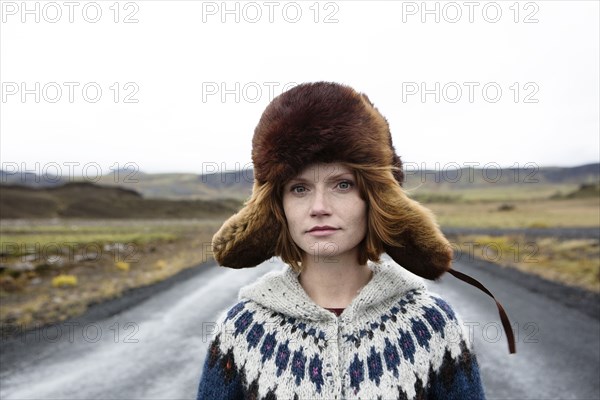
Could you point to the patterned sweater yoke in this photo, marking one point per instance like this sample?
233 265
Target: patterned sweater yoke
396 340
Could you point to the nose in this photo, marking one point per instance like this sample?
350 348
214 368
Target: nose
320 204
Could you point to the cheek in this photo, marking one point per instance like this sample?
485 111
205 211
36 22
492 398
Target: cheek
285 204
290 211
363 221
359 212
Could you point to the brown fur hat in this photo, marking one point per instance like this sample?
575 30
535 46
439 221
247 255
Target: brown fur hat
327 122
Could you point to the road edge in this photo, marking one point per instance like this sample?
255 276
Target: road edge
574 297
12 345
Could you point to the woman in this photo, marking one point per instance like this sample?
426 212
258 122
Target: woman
338 322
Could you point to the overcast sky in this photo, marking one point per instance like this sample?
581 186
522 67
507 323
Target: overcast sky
497 83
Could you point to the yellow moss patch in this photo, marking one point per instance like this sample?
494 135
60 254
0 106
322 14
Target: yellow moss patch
122 265
64 281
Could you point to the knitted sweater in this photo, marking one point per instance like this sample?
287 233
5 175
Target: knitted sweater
395 340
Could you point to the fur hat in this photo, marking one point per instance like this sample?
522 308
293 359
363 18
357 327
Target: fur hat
327 122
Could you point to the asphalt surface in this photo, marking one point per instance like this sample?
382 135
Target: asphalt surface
557 330
151 343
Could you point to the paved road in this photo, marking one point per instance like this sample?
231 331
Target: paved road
558 345
155 349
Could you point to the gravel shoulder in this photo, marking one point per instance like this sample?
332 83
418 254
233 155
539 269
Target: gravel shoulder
14 348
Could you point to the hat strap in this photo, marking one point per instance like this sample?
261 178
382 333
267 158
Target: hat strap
503 317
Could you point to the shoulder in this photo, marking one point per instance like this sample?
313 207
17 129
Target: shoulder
454 341
431 323
452 317
454 370
240 318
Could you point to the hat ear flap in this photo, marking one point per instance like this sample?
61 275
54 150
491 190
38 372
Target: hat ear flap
249 237
420 245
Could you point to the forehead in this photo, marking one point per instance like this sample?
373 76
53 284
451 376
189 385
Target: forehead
323 172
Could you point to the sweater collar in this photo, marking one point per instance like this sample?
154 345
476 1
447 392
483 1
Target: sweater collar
280 291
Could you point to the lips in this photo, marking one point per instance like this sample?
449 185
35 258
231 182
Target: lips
322 228
321 231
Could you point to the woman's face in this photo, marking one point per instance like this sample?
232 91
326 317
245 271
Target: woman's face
325 214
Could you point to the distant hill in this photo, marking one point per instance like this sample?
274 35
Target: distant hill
30 179
477 178
88 200
585 190
238 184
230 184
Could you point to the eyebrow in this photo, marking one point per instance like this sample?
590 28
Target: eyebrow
329 179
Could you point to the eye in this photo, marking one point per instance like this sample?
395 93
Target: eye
298 189
345 185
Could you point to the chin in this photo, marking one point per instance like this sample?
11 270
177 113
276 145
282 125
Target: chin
326 249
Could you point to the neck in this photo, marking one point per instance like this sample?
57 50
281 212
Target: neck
333 283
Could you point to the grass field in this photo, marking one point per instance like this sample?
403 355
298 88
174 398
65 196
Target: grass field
518 206
489 193
575 262
528 213
54 269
